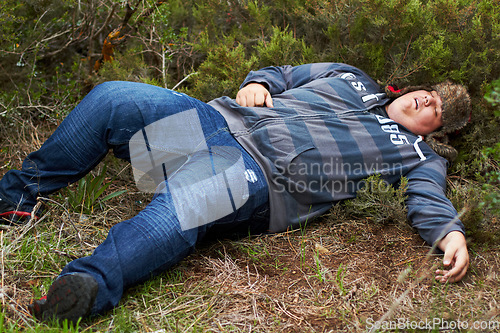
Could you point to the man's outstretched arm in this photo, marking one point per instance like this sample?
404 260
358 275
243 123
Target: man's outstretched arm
433 215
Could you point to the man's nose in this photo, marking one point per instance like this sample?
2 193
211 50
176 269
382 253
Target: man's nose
428 100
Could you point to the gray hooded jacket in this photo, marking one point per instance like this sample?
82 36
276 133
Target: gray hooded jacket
325 134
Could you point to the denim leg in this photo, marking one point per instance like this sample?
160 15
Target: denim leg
105 119
154 240
134 250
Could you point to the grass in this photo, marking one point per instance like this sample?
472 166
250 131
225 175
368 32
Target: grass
338 274
89 192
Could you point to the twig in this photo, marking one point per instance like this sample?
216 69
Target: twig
61 253
69 216
27 227
402 60
91 39
410 73
184 79
111 13
409 260
288 313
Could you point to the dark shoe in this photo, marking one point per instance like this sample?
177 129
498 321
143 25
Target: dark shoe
10 215
70 297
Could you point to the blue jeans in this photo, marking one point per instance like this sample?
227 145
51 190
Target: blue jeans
154 240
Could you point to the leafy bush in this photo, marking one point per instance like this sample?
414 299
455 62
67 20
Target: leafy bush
492 176
474 183
378 201
127 67
86 198
283 48
222 73
492 96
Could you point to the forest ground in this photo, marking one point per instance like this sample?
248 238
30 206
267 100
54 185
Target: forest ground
333 275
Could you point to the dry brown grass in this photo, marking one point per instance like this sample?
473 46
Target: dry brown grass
334 276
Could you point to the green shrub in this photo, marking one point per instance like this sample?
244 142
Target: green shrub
128 66
222 72
377 201
481 226
87 196
284 49
492 154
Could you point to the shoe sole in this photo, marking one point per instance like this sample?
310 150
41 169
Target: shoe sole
70 297
14 217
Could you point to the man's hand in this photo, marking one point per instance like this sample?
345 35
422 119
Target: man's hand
456 257
254 94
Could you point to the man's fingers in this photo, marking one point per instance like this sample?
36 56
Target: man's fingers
250 100
254 94
241 100
453 275
459 265
455 259
269 101
259 99
448 257
442 276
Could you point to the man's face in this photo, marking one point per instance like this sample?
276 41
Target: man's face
419 111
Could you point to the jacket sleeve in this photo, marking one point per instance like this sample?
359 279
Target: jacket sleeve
282 78
429 210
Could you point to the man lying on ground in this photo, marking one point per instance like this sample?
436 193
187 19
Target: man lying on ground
295 141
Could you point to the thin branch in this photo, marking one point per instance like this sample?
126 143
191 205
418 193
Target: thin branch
184 79
402 60
149 11
69 217
411 72
91 40
110 15
25 228
54 36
